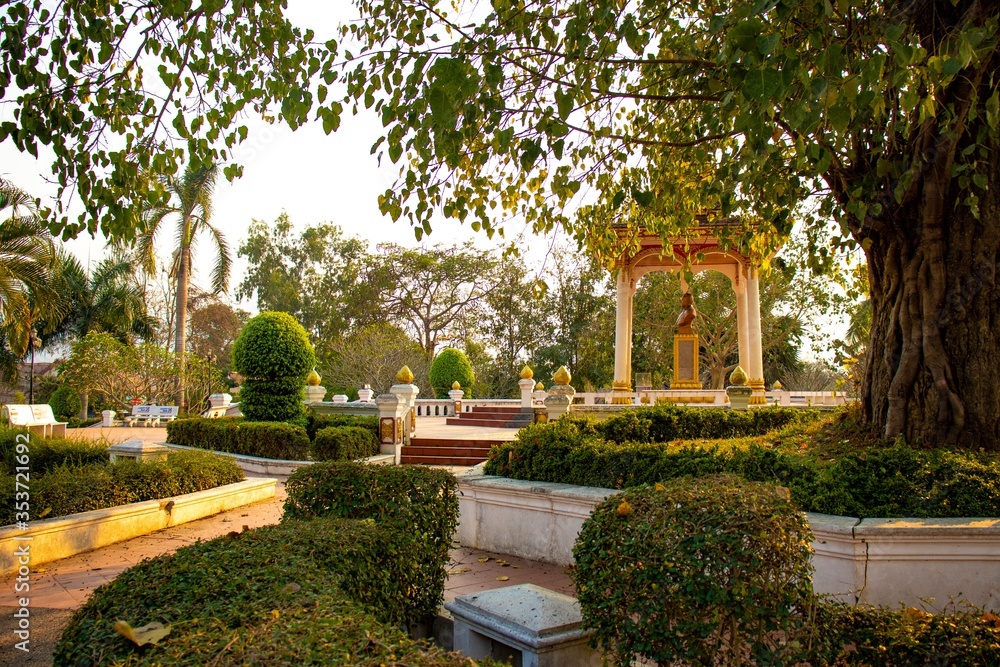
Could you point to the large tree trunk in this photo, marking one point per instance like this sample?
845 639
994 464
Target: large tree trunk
932 373
180 336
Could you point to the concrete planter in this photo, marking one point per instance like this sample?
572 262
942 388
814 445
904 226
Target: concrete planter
921 562
53 539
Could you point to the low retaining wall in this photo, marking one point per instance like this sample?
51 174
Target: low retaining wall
52 539
277 468
921 562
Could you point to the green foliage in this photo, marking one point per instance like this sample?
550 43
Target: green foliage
329 591
65 403
274 356
698 571
269 440
894 482
887 637
71 488
421 503
46 454
315 423
344 443
186 86
450 366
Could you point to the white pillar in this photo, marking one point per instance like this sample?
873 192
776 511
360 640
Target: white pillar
756 360
742 318
623 330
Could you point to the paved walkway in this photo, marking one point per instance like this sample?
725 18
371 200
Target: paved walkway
60 587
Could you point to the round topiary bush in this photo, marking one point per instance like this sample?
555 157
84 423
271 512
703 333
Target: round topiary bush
274 356
65 403
450 366
703 571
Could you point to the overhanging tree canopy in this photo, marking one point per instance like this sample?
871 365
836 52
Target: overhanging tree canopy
650 112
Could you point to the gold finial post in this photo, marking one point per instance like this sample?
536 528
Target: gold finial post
738 377
456 385
527 373
562 376
313 379
404 376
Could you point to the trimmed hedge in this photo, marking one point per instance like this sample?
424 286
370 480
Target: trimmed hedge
70 489
699 571
421 502
315 423
65 403
46 454
274 356
344 443
269 440
897 481
904 637
329 591
450 366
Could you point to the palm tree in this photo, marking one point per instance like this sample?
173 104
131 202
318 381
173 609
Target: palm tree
27 259
190 205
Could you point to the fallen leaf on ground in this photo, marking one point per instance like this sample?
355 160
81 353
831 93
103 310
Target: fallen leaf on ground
147 634
484 559
459 570
502 578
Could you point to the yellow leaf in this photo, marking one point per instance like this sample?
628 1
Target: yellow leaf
624 509
660 487
147 634
275 614
503 578
484 559
912 614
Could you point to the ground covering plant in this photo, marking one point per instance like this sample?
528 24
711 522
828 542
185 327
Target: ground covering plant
274 356
825 472
70 487
344 443
46 454
715 571
330 589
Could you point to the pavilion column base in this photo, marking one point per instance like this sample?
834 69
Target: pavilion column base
758 397
621 393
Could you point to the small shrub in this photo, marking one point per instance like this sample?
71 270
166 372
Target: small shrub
698 571
49 453
450 366
274 356
329 591
269 440
65 403
344 443
315 423
69 489
421 502
845 634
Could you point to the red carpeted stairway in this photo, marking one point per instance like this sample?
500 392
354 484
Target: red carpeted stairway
441 452
493 417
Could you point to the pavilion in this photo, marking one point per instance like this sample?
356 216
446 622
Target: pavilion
703 249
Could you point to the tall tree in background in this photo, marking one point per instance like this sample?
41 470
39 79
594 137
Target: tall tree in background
213 327
190 207
579 316
433 289
324 279
889 113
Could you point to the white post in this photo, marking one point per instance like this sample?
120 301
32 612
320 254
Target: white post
527 386
623 336
756 360
742 317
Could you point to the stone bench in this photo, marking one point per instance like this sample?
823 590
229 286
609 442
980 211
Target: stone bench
541 627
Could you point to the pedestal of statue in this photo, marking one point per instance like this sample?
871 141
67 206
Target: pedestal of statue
686 375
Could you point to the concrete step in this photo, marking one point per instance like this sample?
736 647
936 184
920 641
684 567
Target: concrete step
477 443
461 452
441 460
486 423
501 409
507 416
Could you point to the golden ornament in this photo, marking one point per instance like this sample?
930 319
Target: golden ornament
404 376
